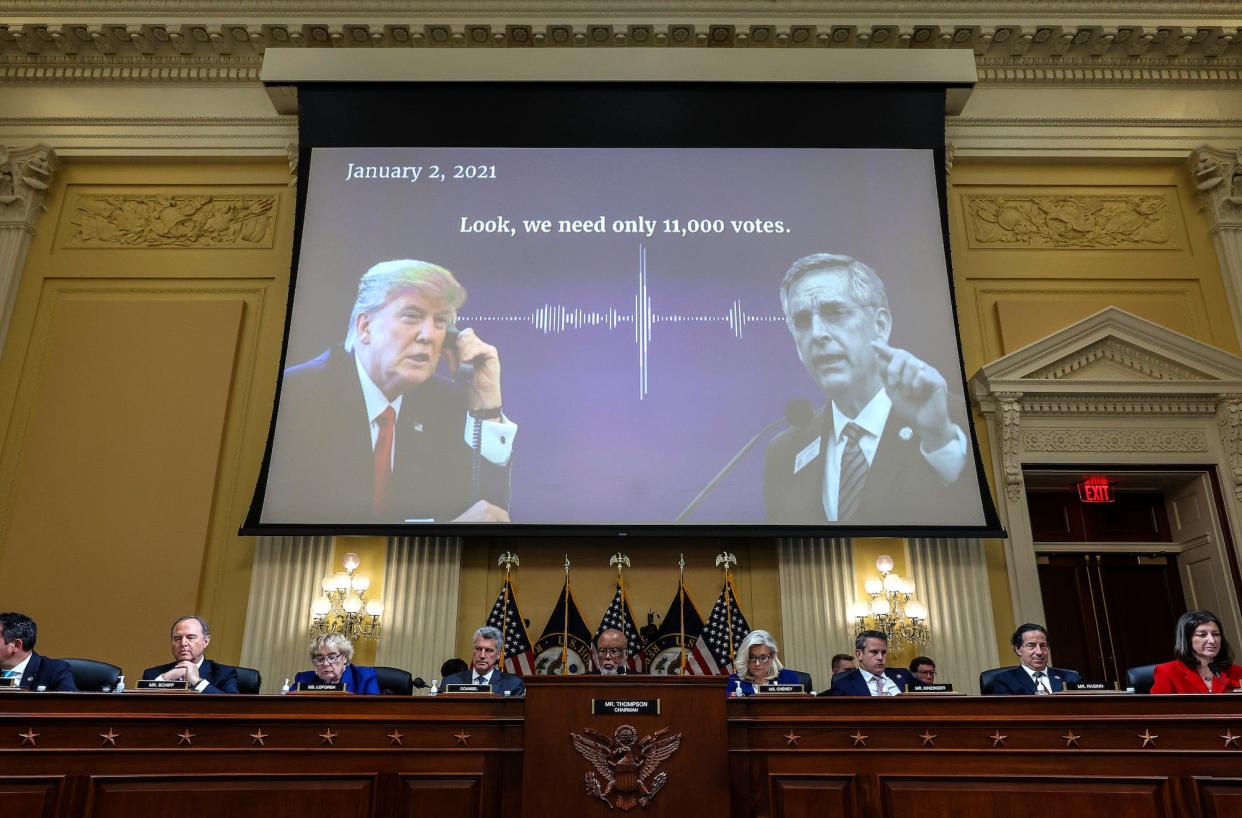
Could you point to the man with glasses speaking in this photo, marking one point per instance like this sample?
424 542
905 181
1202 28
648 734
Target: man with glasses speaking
483 671
883 449
612 649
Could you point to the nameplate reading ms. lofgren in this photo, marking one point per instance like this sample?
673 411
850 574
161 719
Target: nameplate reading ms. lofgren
625 707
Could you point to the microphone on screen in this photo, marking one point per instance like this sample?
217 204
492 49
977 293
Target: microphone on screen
798 413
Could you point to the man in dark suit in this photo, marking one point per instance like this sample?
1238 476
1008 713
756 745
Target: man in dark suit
483 670
872 677
368 432
884 448
190 637
611 650
18 635
1034 675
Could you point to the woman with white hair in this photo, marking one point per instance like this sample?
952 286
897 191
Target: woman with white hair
332 656
756 664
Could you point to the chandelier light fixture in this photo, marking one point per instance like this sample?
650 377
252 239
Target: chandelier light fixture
892 609
344 607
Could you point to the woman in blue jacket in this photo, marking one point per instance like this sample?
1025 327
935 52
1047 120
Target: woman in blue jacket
331 654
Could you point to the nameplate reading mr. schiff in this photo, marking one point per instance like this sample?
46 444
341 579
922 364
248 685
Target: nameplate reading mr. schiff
625 707
162 686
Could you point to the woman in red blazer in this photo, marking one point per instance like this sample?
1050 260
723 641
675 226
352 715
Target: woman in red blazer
1204 663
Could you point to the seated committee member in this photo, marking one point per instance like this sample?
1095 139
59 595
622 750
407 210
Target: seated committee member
483 670
368 432
190 638
18 659
612 648
883 448
332 656
756 663
1204 662
924 670
841 663
872 677
1034 675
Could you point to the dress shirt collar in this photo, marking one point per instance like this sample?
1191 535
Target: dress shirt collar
890 687
376 401
871 418
487 677
19 669
1047 679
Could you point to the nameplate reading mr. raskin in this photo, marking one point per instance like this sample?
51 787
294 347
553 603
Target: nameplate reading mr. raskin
162 684
625 707
1089 687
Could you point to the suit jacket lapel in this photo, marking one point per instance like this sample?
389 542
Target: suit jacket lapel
808 482
32 671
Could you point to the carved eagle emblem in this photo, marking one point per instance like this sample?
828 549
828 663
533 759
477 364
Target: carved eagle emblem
630 767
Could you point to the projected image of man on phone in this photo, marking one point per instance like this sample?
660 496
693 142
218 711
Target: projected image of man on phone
371 433
883 449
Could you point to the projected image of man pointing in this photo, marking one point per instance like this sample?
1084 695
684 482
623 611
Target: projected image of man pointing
883 449
369 432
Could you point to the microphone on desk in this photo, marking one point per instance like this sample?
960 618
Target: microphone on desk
798 413
420 683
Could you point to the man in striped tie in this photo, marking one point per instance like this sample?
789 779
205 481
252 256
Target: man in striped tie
884 448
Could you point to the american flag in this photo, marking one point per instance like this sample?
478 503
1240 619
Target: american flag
663 654
519 655
620 616
726 627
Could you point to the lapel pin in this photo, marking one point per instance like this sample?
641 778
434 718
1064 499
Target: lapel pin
905 433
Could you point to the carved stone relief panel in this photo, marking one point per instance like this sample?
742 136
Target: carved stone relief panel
1114 440
1028 221
215 221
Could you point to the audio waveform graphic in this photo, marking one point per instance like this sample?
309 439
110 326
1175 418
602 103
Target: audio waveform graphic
558 318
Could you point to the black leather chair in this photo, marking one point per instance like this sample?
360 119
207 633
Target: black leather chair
1141 678
804 679
249 681
986 677
92 677
394 681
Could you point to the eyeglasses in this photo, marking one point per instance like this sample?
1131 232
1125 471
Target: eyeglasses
760 659
611 651
330 659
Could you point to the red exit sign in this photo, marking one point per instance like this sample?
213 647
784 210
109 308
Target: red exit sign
1095 490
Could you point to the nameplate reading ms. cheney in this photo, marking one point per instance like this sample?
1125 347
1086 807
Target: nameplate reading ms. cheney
625 707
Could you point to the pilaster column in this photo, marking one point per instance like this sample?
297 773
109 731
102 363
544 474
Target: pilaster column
1217 175
25 176
817 588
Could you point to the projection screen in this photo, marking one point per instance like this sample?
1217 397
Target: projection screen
633 314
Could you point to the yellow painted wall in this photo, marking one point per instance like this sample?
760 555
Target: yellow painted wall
135 392
1039 245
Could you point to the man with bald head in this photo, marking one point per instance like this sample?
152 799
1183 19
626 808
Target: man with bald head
883 448
612 649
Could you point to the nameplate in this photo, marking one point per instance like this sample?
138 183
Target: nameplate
625 707
945 688
163 686
1089 687
781 689
485 690
321 687
10 683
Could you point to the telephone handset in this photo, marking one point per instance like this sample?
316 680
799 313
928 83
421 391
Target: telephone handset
460 371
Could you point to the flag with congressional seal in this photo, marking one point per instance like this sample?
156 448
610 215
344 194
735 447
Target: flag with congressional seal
565 646
620 616
505 617
682 622
726 627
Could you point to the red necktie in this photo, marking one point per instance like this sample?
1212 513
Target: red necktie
383 458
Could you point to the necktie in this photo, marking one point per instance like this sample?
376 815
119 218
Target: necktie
9 674
853 472
879 685
383 458
1040 685
479 680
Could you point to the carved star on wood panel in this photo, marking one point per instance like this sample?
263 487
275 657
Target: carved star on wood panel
395 738
1071 740
998 740
1230 739
462 736
1148 738
791 739
329 737
257 738
109 737
859 739
186 737
929 738
30 735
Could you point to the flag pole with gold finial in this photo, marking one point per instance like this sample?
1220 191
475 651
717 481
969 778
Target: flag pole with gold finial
724 560
508 560
681 600
565 625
